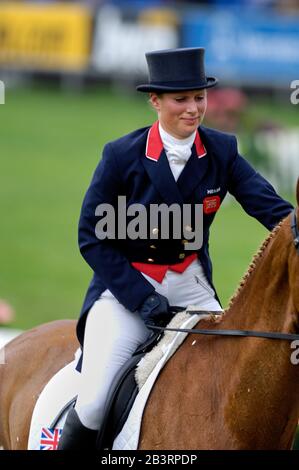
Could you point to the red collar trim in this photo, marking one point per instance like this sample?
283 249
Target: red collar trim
200 148
154 144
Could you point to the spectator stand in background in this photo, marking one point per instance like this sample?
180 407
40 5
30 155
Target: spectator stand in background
263 141
280 147
121 38
226 107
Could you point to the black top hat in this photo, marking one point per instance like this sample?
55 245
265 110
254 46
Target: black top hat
176 70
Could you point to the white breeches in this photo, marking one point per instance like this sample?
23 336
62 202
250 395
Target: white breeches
113 333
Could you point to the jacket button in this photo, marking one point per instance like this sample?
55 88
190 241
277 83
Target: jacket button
184 242
155 231
150 260
188 228
182 255
153 247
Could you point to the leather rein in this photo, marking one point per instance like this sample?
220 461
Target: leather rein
241 333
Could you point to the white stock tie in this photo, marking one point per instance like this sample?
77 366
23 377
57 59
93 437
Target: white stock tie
177 151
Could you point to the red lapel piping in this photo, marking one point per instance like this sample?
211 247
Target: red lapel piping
200 148
154 144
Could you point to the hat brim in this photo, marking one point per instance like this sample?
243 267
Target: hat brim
211 81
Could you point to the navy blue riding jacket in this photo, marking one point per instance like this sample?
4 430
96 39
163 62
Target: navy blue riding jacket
136 166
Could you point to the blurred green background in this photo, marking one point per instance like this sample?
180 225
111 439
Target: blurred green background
50 144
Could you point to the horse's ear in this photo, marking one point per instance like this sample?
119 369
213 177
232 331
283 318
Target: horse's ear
298 191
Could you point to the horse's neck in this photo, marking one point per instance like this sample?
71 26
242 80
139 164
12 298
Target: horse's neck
264 298
264 379
234 393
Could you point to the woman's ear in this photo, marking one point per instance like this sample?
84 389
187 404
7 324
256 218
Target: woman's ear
155 101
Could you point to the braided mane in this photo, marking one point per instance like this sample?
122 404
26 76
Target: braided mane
254 262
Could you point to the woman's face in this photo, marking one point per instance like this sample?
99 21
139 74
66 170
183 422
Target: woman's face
180 113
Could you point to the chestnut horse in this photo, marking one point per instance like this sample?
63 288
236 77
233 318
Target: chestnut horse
233 393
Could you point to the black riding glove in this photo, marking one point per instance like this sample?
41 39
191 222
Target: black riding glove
155 310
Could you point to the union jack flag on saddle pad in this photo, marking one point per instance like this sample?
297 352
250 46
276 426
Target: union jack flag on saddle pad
50 438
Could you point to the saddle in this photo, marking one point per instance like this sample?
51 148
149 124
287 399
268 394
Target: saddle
121 397
126 399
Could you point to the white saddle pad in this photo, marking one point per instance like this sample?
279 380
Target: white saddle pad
59 391
63 386
128 438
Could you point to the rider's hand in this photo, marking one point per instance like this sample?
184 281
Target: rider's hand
155 310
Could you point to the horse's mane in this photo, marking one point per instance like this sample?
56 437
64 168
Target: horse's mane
254 262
